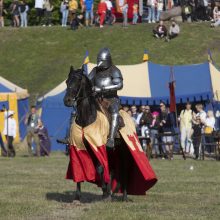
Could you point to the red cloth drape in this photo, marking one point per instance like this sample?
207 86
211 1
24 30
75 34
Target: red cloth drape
172 97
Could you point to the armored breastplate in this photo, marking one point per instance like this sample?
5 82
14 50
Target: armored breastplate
103 79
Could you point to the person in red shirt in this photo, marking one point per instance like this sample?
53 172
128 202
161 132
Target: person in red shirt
102 8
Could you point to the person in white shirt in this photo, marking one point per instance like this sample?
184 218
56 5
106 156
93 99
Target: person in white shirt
9 131
209 124
201 113
39 6
186 117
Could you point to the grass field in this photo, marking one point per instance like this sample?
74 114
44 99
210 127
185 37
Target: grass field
35 188
38 58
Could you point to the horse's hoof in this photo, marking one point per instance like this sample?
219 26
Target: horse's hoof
77 198
107 198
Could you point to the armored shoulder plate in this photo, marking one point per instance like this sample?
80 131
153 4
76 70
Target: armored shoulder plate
116 73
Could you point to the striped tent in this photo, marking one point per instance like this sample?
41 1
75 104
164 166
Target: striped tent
144 84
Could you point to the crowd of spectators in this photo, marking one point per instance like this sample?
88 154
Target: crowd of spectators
81 13
161 127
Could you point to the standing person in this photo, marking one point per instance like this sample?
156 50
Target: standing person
9 131
151 10
124 8
32 123
88 4
15 13
73 6
48 12
39 7
64 9
166 128
146 118
142 110
102 8
209 128
23 9
197 136
1 13
45 144
159 9
200 112
154 126
134 115
174 31
109 11
135 13
186 117
160 31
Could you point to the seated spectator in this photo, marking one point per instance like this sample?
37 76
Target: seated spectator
102 8
166 128
197 136
135 13
77 22
160 31
10 128
209 128
23 9
64 9
154 126
44 139
174 31
48 12
216 18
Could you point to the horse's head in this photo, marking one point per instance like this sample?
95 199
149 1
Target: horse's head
78 87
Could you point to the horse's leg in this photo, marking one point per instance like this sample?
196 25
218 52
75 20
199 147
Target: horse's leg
78 191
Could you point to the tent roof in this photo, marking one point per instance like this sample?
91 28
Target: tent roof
7 86
147 83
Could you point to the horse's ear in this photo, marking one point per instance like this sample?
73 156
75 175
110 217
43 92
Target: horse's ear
71 68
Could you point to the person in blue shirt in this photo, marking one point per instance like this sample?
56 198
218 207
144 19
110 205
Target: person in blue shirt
88 4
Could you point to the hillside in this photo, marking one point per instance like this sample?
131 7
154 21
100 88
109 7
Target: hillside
38 58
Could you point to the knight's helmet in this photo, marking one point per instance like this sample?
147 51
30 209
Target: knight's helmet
104 59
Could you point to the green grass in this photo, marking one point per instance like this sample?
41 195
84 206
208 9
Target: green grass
35 188
38 58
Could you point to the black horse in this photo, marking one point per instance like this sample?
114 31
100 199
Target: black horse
79 92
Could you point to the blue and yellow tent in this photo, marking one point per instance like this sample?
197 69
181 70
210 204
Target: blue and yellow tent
144 84
16 99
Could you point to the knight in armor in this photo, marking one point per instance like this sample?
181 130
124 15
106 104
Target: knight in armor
107 79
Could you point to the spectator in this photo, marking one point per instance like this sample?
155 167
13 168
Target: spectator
193 5
48 12
126 108
217 115
32 123
39 6
10 128
174 31
15 13
209 128
23 9
186 117
151 10
134 115
64 9
154 126
159 9
89 12
216 18
73 6
77 21
124 8
109 11
44 139
160 31
197 136
146 117
135 13
1 13
200 113
187 12
166 128
102 8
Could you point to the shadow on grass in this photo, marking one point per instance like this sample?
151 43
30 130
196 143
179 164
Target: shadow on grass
68 197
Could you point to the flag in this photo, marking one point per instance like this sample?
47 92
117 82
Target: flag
146 56
172 91
85 62
210 56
